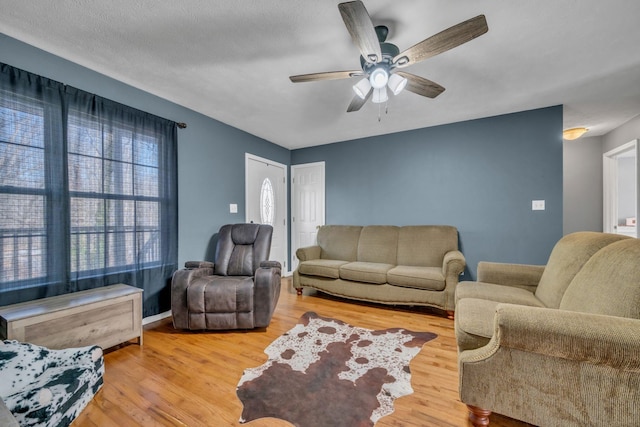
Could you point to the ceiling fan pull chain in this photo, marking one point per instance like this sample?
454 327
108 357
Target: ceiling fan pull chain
379 111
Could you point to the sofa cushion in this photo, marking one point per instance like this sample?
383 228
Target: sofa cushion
322 267
378 243
474 322
367 272
497 293
430 278
425 245
609 283
566 259
339 242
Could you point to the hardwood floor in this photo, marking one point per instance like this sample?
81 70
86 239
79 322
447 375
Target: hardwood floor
189 378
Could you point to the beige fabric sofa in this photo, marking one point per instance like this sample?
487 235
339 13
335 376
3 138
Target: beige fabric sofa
554 345
409 265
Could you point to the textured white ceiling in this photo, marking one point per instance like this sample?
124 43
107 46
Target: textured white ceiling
231 59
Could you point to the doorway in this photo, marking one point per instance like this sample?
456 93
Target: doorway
266 201
621 198
307 200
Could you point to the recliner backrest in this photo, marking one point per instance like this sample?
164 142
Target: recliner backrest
241 248
609 283
567 258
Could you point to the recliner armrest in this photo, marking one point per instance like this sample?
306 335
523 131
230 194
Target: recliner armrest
198 264
6 417
271 264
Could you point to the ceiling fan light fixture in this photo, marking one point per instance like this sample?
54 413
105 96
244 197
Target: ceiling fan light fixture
397 83
379 78
362 88
573 133
379 95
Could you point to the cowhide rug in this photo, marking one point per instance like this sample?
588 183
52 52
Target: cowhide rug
324 372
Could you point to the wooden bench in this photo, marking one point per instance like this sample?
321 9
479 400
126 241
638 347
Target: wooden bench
105 316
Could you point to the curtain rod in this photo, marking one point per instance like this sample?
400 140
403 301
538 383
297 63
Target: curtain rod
181 125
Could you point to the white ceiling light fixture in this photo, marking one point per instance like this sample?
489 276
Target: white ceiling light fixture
379 78
396 83
380 95
362 88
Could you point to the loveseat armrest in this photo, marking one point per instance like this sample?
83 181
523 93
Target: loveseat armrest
582 337
518 275
309 252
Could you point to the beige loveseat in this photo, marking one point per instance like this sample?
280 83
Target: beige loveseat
555 345
410 265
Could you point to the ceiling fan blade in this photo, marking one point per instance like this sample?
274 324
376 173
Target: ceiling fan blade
358 23
357 102
420 85
329 75
443 41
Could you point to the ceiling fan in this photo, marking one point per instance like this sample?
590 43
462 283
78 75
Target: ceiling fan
381 61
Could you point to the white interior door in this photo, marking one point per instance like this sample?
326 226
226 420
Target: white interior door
266 201
621 190
307 213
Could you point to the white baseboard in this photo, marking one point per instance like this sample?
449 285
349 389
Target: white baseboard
156 317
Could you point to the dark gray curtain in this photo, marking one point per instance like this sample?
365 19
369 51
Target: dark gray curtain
88 193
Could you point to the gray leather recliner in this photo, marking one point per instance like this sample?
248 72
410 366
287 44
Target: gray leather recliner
239 290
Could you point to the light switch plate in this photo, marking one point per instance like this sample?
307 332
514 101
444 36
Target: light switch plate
537 205
233 208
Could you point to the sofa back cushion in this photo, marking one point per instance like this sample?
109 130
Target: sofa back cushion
339 242
568 256
609 283
378 243
425 245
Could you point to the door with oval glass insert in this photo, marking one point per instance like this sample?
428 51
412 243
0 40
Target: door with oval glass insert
265 193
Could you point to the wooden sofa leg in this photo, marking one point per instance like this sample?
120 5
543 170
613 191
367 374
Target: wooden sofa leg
479 417
450 314
299 291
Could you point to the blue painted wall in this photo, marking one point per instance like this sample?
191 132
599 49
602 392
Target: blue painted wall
479 176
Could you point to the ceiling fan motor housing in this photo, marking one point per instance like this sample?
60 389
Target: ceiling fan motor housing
380 71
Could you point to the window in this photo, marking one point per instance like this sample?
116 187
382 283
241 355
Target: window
267 205
23 200
87 192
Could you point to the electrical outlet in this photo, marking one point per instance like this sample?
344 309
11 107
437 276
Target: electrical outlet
537 205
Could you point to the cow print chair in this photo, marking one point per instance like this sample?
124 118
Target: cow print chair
46 388
239 290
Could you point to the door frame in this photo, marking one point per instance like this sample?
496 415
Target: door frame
285 197
610 185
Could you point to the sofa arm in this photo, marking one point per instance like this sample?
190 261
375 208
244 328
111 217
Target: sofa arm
517 275
453 263
582 337
307 253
